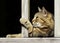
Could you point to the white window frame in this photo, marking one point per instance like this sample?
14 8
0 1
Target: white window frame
25 14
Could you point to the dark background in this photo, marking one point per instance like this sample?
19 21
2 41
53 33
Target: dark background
10 13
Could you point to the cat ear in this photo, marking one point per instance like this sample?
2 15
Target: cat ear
39 9
44 11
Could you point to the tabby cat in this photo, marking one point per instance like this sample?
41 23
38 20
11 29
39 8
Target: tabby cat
42 24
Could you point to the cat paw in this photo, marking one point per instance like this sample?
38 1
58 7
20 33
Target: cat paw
23 20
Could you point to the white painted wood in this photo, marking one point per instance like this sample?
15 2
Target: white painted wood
30 40
25 14
57 18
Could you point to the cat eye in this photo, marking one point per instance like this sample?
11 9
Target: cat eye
37 17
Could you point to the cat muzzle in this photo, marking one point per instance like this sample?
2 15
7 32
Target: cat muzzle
39 25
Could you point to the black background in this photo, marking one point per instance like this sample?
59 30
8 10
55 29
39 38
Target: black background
10 13
9 17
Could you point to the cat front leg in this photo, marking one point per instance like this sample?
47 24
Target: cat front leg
27 24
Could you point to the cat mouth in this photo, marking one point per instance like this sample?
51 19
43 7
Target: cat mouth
43 28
